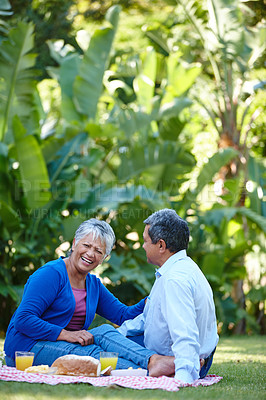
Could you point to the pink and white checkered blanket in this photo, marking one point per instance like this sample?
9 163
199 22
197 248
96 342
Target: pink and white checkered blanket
133 382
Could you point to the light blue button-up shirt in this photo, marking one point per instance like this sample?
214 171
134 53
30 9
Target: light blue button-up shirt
179 316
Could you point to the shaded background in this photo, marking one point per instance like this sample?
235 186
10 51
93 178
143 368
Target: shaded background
117 109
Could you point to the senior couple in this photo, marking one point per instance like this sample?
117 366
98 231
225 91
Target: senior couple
172 332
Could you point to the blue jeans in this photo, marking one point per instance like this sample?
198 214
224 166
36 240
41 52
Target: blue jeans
137 339
207 365
106 338
203 371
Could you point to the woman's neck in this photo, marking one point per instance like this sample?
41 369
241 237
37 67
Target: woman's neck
76 280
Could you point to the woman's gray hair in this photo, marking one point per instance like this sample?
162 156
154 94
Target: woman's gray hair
167 225
99 229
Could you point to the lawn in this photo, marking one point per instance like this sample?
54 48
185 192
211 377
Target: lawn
240 361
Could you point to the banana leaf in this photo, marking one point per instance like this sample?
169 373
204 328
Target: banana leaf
9 217
67 74
88 84
180 78
32 168
144 83
18 85
157 38
259 220
109 198
129 120
171 128
215 216
63 155
208 171
5 10
257 175
173 108
138 159
4 178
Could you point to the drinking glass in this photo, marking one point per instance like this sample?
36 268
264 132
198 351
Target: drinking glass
24 359
108 359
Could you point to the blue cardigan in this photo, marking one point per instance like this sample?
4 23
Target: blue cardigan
48 305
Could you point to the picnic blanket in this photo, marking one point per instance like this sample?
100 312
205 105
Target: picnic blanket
133 382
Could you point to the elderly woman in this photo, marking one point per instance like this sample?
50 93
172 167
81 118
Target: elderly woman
60 301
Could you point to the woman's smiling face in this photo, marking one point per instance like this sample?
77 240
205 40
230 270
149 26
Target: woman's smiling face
88 253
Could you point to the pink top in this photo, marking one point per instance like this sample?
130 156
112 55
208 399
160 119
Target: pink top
77 321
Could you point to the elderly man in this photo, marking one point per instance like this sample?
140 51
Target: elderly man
179 316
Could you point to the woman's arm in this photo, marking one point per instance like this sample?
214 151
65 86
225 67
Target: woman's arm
40 292
112 309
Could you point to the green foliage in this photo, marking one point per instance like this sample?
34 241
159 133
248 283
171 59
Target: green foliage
52 20
86 85
4 11
18 79
33 170
114 144
256 173
207 174
135 160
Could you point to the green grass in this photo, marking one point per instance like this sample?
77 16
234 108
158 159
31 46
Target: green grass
240 361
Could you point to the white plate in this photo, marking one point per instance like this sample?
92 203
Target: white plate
129 372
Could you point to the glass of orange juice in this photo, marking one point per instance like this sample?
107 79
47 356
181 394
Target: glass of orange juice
24 359
108 359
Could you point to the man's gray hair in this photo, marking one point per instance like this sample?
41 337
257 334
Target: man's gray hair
99 229
167 225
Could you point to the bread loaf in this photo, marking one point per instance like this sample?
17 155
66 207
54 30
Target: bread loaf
74 365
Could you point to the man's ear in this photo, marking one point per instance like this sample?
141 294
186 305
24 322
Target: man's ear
162 245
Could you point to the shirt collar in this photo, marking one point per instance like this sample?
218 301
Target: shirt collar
168 263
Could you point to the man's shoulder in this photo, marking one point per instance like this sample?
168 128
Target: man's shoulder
182 271
182 266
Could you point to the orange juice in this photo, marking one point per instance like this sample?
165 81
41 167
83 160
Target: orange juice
23 362
108 361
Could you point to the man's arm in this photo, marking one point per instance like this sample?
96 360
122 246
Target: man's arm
132 327
179 310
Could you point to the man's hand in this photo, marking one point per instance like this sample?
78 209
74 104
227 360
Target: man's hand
82 337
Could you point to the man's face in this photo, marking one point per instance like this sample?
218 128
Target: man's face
152 250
